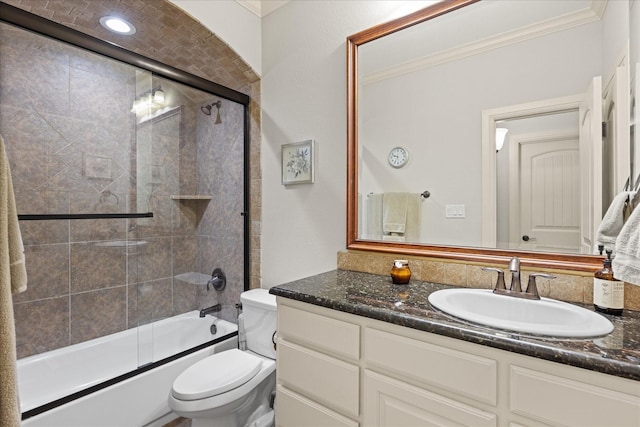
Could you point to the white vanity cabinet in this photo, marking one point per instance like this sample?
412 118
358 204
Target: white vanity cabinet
318 372
337 369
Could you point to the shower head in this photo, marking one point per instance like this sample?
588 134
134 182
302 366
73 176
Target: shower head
207 110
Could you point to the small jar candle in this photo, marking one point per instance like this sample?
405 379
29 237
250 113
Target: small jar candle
400 272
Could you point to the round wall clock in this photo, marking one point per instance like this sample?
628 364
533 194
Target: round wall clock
398 157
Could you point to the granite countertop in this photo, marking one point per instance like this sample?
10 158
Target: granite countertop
374 296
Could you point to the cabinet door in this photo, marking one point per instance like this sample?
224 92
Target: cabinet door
294 410
392 403
459 372
557 400
324 379
327 335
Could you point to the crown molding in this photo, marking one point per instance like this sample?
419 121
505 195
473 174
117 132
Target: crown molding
252 6
560 23
262 8
598 7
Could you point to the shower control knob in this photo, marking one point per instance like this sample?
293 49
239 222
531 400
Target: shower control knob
218 280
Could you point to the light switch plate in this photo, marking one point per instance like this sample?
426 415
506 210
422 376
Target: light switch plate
454 211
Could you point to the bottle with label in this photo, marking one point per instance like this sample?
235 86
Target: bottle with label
608 292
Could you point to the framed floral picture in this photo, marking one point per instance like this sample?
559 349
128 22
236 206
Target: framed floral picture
297 163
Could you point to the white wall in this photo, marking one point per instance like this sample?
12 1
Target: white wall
615 36
304 97
231 22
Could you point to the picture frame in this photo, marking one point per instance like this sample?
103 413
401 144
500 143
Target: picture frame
298 162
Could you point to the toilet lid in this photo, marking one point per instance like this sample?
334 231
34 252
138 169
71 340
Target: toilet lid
216 374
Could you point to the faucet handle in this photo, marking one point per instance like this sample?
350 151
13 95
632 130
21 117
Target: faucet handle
532 288
218 280
500 281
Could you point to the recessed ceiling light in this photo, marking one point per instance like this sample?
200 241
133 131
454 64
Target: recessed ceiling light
117 25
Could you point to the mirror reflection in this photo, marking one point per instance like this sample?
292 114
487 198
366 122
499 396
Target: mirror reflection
546 73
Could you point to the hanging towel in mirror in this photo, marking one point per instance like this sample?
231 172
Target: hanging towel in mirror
402 217
613 221
626 263
394 213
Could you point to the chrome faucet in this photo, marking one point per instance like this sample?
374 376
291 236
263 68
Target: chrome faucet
515 290
213 309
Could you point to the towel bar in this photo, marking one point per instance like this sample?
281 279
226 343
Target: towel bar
425 194
51 217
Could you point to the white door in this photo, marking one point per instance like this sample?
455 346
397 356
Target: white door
549 196
591 164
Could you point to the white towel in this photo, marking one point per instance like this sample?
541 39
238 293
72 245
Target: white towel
402 219
13 278
374 217
626 263
612 222
406 227
394 213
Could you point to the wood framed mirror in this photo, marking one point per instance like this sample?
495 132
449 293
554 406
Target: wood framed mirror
440 16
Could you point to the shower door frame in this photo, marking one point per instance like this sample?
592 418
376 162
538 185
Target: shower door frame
28 21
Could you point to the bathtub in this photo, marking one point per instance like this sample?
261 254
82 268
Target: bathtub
121 379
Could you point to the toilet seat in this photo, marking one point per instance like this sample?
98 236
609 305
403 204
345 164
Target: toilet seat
216 374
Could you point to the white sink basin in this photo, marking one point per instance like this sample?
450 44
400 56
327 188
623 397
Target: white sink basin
546 317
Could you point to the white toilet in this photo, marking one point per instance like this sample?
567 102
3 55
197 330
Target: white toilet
233 388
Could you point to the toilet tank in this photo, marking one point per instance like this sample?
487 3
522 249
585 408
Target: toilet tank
259 312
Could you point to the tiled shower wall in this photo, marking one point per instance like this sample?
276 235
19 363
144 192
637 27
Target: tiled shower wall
220 173
169 35
74 147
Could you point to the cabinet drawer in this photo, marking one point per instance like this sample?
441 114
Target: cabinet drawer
555 399
296 411
322 378
320 332
389 402
456 371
